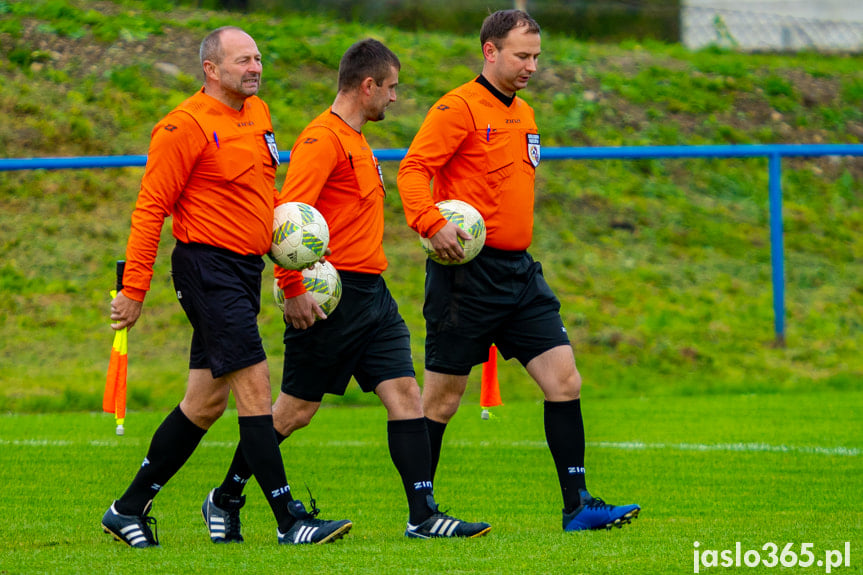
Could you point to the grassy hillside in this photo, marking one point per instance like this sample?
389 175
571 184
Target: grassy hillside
663 267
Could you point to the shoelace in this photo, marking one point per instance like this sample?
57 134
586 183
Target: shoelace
232 523
153 533
438 513
314 512
597 503
309 518
435 508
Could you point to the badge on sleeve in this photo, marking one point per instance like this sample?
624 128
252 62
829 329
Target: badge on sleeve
270 139
533 149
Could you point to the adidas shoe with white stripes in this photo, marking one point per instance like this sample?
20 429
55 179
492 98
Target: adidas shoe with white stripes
442 525
308 530
223 518
133 530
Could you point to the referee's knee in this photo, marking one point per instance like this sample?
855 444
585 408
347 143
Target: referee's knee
566 387
286 425
572 385
204 415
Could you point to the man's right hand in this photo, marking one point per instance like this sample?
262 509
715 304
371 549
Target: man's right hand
124 311
446 245
302 311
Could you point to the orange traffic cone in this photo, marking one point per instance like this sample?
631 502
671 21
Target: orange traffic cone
489 393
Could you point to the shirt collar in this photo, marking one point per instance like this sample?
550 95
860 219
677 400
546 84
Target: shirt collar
506 100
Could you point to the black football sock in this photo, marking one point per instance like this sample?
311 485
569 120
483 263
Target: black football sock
258 442
172 444
409 449
435 431
564 432
239 472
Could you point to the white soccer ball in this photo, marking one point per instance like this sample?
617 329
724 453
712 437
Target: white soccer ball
322 281
300 235
467 218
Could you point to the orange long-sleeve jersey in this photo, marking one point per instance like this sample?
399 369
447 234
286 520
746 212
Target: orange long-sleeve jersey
473 147
334 169
213 169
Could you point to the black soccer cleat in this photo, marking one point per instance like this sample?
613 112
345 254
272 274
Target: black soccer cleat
133 530
308 530
439 524
223 518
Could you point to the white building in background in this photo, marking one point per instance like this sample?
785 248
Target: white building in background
771 25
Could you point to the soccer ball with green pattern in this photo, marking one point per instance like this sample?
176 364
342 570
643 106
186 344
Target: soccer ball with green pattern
300 235
467 218
322 281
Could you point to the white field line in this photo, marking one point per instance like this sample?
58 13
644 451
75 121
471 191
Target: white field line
741 447
624 445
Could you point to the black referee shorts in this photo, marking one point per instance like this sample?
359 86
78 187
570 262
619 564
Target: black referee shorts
220 291
499 297
364 337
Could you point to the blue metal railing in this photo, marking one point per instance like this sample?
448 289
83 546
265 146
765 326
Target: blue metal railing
773 152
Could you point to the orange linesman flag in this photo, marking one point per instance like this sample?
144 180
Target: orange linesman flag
114 399
489 393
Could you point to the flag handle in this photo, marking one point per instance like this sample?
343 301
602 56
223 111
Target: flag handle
120 270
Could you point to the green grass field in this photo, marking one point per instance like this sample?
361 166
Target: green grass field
662 268
718 470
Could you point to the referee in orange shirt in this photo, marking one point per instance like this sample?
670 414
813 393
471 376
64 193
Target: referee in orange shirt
212 167
334 169
480 144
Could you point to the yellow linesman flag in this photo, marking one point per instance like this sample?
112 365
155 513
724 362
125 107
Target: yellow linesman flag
114 398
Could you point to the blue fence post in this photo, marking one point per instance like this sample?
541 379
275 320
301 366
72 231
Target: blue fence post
776 246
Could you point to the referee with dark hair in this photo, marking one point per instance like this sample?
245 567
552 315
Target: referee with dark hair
334 169
480 144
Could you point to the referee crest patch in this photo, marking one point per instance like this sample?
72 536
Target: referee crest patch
533 149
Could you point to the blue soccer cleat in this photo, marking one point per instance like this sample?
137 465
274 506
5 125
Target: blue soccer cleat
593 513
